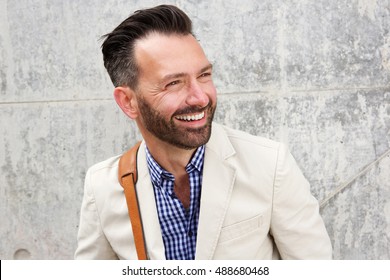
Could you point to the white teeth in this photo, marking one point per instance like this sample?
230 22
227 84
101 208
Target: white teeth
191 118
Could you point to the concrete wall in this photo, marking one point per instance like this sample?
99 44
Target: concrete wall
314 74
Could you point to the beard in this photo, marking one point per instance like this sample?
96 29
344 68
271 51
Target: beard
169 132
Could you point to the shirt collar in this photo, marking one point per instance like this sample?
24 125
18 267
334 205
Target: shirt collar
197 160
157 173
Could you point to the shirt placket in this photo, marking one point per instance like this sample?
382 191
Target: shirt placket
180 214
192 172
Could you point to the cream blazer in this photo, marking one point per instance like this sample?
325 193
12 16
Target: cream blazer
255 204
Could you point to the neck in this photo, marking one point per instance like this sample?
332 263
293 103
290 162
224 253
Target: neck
169 157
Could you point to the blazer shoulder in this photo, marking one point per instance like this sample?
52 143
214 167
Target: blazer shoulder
102 178
241 137
110 163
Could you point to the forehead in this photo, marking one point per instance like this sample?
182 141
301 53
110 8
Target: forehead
165 54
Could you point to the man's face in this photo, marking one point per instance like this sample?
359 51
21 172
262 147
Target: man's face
176 96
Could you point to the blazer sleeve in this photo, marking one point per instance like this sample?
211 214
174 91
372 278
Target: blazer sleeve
296 225
92 243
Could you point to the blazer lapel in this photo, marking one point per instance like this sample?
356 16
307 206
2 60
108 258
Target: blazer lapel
151 226
217 185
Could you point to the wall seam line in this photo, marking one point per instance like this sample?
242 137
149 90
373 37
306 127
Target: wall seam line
353 179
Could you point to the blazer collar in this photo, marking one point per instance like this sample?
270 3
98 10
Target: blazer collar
147 204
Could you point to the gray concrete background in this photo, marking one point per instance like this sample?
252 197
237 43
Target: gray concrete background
313 74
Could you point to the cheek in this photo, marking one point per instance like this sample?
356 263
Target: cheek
169 104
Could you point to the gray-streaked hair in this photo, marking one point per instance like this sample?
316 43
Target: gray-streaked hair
118 46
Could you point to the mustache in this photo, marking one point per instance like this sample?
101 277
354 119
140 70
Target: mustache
192 110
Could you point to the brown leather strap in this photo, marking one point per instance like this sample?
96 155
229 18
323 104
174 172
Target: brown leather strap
127 175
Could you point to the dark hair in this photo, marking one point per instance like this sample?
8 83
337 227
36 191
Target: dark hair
118 46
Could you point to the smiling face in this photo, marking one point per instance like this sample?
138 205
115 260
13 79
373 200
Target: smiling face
175 96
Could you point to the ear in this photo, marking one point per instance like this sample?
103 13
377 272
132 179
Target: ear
126 100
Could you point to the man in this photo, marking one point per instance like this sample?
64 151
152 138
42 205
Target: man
205 191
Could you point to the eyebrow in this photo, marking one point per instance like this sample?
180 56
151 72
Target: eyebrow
208 67
182 74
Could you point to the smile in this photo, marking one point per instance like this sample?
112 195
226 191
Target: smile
191 118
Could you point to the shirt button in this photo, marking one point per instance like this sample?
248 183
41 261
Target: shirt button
190 233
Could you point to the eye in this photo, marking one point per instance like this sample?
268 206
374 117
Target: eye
205 77
173 83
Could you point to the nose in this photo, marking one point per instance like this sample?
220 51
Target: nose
197 95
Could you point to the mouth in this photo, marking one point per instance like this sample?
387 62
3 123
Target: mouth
191 118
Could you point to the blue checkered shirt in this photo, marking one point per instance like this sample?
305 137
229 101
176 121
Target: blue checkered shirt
179 226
